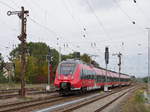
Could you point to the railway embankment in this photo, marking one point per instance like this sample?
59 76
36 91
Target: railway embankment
136 102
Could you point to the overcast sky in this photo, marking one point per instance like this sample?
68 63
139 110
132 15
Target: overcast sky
103 22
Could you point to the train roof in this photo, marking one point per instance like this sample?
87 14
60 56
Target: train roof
77 61
73 61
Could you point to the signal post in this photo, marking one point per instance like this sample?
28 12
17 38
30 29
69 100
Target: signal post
49 59
106 62
22 37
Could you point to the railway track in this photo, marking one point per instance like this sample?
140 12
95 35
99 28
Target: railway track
21 105
5 91
37 102
112 101
53 101
90 101
8 91
5 94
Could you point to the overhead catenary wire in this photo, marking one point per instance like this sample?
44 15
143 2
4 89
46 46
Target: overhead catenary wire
97 18
66 45
130 19
141 10
14 3
7 5
43 26
37 4
3 22
70 13
81 27
33 20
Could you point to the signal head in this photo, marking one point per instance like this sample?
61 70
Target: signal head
9 13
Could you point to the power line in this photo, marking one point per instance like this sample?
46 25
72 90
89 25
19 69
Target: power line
97 18
36 22
141 10
43 26
79 21
73 17
32 4
70 13
39 24
5 4
15 4
33 20
9 6
130 19
37 4
115 1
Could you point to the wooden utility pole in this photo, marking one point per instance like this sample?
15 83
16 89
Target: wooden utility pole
22 37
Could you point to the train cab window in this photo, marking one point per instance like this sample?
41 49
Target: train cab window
95 77
92 75
84 74
102 78
67 68
81 74
108 79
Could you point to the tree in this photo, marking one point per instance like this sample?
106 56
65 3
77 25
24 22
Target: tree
145 79
2 64
95 63
86 58
37 67
83 57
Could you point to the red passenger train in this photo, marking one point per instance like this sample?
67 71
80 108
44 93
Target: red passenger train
75 75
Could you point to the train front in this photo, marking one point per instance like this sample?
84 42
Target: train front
66 76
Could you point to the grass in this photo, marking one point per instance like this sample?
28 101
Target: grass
136 103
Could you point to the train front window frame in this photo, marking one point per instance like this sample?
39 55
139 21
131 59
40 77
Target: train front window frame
67 68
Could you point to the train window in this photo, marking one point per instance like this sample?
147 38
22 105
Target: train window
95 76
67 68
108 79
111 79
104 79
101 78
81 73
84 74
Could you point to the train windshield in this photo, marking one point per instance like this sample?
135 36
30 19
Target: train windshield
67 68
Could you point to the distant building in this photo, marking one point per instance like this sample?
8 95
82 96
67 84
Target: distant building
8 70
